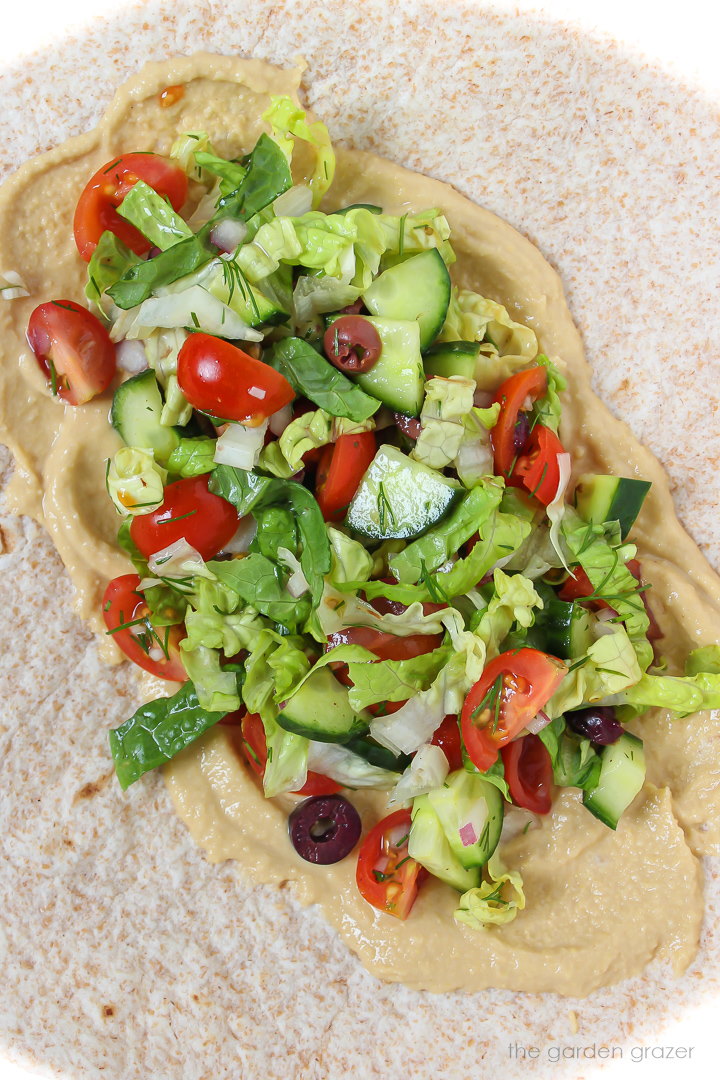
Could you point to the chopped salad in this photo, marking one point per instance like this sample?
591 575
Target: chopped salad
356 538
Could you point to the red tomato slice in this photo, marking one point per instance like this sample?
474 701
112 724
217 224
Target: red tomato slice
96 209
447 737
538 467
511 395
73 349
511 691
342 467
255 750
386 875
528 771
154 650
218 378
188 511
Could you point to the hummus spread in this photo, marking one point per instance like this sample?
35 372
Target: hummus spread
600 904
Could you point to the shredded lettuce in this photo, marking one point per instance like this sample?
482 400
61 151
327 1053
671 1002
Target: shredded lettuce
109 261
135 481
474 458
192 456
610 667
684 694
350 560
447 403
288 122
287 760
604 564
442 540
575 761
426 771
153 216
216 689
495 902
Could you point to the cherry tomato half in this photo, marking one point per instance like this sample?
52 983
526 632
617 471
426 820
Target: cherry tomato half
511 691
511 395
218 378
528 771
96 209
154 649
538 467
342 467
386 875
189 511
73 349
447 737
255 750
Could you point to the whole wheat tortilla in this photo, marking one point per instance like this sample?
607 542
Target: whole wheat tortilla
157 965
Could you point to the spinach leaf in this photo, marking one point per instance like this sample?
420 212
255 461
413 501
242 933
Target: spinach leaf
311 375
260 583
276 529
250 491
157 732
267 176
139 282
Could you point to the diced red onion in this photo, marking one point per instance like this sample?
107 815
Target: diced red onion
243 538
482 398
280 420
538 723
227 235
131 356
468 834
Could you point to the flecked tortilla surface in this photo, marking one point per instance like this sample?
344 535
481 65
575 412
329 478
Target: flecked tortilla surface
227 972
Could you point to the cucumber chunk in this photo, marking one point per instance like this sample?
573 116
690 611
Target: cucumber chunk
398 498
417 289
622 774
320 710
565 629
449 358
610 498
397 378
469 803
428 845
135 415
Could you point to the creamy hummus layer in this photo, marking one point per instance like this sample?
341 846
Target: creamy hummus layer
600 905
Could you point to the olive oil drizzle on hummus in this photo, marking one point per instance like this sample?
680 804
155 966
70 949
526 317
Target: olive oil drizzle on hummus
598 907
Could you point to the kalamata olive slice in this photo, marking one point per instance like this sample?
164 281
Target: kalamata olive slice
597 723
352 344
324 829
521 434
408 425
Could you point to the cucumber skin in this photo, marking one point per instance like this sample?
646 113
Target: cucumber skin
144 387
363 515
613 758
452 358
321 696
417 289
600 498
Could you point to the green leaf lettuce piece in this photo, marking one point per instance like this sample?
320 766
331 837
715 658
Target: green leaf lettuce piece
495 902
